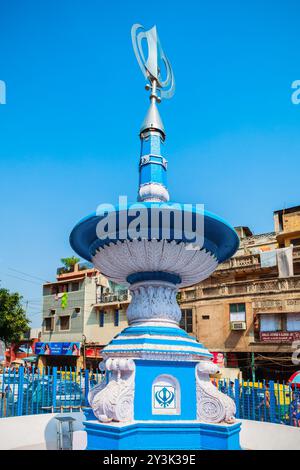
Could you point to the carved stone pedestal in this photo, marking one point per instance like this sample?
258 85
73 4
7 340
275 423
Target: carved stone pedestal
158 393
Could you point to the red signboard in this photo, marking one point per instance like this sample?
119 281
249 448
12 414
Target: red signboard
279 336
93 352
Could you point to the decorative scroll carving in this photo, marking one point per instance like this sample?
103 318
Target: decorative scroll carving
114 401
213 406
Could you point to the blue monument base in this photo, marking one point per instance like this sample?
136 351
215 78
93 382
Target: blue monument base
145 435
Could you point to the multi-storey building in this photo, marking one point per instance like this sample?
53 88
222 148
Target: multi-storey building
248 311
82 311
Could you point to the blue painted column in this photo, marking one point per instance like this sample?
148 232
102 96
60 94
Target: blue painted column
272 402
237 396
20 391
54 385
153 165
86 386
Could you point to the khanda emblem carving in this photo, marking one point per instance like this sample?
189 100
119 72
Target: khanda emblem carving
165 396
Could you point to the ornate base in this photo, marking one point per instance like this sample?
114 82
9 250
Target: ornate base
157 373
143 389
143 435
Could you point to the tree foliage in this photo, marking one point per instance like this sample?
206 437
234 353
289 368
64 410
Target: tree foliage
69 262
13 320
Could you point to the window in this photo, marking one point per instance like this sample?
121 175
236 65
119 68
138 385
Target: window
64 322
186 321
270 322
237 312
49 323
101 319
59 288
190 294
205 317
117 318
295 242
54 290
293 322
74 286
52 311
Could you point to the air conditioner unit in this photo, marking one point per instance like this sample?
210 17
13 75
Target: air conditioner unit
238 325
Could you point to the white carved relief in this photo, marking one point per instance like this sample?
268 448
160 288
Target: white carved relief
114 401
153 192
118 261
213 406
152 300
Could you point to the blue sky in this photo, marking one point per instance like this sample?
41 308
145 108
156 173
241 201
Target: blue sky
76 99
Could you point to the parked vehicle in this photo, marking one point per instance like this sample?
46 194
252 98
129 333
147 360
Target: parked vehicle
38 395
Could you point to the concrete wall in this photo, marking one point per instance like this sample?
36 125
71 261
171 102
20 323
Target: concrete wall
215 332
87 321
39 432
36 432
102 335
75 299
268 436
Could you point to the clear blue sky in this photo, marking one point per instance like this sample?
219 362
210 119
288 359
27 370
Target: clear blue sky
75 101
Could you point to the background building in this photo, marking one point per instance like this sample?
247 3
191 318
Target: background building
82 311
248 311
23 351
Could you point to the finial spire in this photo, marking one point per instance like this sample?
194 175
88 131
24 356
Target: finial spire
153 166
152 119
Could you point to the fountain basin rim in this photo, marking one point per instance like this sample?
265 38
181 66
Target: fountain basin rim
220 238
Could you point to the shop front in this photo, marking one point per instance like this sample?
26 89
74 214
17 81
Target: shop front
58 354
92 356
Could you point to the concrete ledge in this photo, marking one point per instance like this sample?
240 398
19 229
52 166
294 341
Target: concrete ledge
33 431
257 435
39 432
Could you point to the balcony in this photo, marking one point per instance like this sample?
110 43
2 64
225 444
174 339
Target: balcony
113 298
272 286
251 261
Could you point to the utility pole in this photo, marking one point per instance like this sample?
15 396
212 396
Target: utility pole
253 366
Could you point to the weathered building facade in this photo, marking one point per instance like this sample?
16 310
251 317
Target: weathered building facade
249 309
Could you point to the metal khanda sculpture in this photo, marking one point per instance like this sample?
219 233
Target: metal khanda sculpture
155 63
157 69
157 393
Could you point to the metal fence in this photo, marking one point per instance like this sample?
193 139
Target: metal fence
271 401
24 391
33 391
